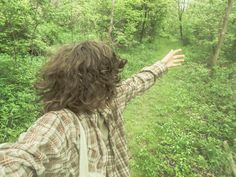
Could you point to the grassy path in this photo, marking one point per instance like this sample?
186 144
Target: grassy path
143 110
168 133
155 105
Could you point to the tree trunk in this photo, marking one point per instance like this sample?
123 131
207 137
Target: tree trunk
181 27
216 51
143 24
234 41
111 22
181 9
71 21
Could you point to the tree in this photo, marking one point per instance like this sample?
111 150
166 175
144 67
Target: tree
182 5
216 51
111 22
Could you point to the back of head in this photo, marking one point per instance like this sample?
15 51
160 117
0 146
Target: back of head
80 77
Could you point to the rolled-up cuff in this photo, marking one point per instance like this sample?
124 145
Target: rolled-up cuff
162 66
157 69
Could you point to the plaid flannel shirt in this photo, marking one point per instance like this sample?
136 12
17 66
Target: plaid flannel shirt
50 147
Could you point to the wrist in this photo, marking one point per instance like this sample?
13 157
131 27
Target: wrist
163 61
163 67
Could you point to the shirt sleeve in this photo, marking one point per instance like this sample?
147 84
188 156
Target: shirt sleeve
42 147
138 83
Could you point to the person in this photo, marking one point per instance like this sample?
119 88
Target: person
81 85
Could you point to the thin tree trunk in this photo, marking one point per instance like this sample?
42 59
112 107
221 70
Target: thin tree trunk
71 21
111 22
181 27
181 9
34 31
216 51
14 41
143 24
234 41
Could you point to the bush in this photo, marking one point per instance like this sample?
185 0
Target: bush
18 106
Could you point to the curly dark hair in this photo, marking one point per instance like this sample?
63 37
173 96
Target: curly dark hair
80 77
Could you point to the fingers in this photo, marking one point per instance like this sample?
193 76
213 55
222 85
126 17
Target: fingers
174 57
177 51
171 53
177 64
178 56
179 60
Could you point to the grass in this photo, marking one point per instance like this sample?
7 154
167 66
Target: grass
144 110
146 54
167 134
176 128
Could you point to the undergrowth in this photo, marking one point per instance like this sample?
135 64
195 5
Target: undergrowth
177 128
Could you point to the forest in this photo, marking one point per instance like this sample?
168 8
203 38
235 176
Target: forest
185 125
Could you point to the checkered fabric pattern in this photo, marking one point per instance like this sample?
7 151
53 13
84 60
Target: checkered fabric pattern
50 147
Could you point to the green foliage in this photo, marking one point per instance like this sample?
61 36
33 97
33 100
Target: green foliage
15 24
18 106
182 122
203 20
138 20
201 29
134 20
32 26
29 27
229 48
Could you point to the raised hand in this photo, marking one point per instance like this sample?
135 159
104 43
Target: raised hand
173 58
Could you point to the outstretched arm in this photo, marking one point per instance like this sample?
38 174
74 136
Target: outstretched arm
46 148
140 82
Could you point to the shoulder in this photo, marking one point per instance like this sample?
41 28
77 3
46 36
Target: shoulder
64 116
62 121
